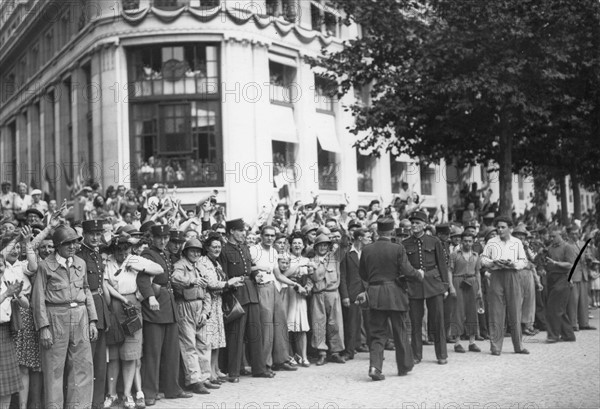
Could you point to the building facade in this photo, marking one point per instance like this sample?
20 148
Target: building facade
198 94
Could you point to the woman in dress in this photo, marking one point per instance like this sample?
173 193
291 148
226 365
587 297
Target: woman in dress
211 270
121 271
297 308
26 339
10 379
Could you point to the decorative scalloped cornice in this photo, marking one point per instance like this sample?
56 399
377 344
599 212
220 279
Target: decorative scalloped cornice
237 16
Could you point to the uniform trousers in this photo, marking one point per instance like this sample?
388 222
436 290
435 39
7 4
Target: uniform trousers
557 318
160 364
449 309
352 318
99 358
274 324
505 298
379 336
327 322
195 351
70 355
484 318
248 327
464 317
540 305
435 318
528 291
578 304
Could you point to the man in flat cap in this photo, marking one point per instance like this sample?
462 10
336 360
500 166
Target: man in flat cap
89 253
236 261
161 331
426 253
385 268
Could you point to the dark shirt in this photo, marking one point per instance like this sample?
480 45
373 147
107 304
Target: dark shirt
426 253
159 288
236 261
560 252
95 277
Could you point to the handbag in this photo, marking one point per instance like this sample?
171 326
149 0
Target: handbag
114 333
132 323
16 321
232 309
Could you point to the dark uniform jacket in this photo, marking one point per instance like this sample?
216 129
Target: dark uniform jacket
236 261
95 278
426 253
160 288
350 283
381 263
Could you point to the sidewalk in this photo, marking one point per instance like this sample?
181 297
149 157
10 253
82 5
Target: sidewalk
563 375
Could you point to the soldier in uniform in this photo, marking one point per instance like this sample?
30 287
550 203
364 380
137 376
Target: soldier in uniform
385 268
161 332
237 262
426 253
175 244
92 239
65 314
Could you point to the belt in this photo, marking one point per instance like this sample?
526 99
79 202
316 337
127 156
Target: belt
325 291
97 292
382 282
73 304
430 268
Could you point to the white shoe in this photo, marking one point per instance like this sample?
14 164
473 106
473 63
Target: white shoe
129 403
110 401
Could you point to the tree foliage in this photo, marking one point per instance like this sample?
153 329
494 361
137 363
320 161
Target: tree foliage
509 81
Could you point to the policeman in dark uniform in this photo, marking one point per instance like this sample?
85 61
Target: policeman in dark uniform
443 233
426 253
92 239
236 261
175 244
161 332
385 268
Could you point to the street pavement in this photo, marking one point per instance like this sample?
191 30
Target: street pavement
562 375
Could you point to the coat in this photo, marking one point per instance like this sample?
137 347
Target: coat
381 263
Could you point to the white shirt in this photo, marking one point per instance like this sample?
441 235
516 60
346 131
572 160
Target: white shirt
12 273
266 261
497 249
125 282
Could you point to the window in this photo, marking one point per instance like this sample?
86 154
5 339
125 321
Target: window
131 4
398 171
65 29
49 46
273 8
316 18
327 168
9 86
170 4
364 170
281 78
284 159
22 72
521 187
177 143
325 93
331 24
427 180
174 69
34 60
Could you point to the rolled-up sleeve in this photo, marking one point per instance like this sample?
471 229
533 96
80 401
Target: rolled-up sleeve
38 299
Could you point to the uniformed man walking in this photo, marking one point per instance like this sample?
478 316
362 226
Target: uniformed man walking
161 332
92 239
385 268
65 315
425 252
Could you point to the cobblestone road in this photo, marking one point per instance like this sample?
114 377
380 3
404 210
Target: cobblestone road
563 375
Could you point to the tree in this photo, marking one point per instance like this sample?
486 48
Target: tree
458 80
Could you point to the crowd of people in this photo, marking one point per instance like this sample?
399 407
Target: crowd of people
129 297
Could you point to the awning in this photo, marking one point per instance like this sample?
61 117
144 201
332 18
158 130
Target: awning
325 7
326 134
282 59
283 126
